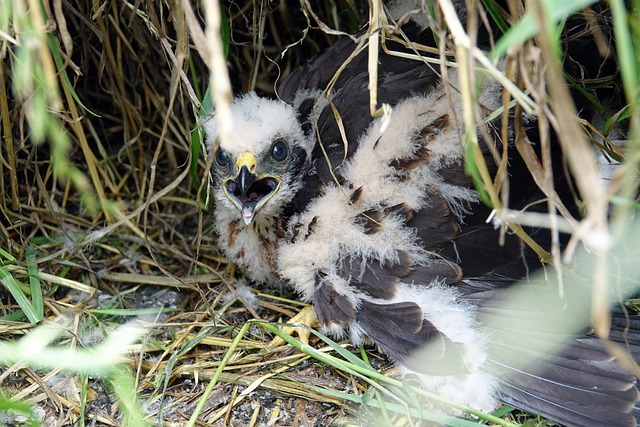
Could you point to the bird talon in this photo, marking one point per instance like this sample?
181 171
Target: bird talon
307 317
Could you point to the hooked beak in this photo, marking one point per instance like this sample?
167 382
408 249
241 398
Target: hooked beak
248 191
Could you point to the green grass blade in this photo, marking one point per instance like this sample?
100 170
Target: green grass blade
175 358
441 419
57 57
37 301
527 26
196 147
23 302
471 169
7 405
130 311
503 410
353 366
207 107
124 386
349 356
10 258
628 57
14 316
84 384
495 15
214 380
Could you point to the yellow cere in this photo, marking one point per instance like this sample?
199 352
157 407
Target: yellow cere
247 159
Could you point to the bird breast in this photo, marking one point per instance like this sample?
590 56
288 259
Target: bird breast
253 247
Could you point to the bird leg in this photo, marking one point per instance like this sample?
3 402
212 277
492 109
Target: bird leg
306 316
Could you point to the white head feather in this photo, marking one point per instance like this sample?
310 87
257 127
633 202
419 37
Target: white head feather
256 123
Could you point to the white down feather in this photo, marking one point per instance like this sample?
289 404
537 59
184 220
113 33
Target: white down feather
335 234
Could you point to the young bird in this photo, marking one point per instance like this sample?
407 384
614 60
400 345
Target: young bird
384 233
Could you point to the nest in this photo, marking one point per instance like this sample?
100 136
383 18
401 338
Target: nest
117 306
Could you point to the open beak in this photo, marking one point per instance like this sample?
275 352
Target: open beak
248 191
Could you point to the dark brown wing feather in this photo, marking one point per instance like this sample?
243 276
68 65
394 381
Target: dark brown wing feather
399 329
379 280
331 307
436 224
350 94
352 103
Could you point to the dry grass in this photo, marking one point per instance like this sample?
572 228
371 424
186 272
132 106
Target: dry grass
104 217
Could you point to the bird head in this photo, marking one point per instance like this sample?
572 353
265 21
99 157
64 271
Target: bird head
260 169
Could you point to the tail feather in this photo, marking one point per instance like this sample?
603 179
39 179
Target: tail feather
546 365
566 412
574 392
593 376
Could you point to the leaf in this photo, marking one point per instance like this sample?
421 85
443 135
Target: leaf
527 26
7 256
350 357
57 57
471 168
22 408
490 6
619 116
123 384
196 146
131 311
34 282
13 286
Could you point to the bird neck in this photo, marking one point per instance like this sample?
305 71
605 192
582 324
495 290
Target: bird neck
251 246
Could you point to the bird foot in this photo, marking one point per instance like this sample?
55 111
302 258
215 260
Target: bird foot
306 316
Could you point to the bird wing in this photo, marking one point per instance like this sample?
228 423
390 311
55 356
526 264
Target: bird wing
381 223
545 359
385 247
348 97
359 247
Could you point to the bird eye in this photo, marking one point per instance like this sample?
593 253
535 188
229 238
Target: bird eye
222 157
279 150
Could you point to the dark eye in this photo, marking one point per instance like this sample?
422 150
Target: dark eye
222 157
279 150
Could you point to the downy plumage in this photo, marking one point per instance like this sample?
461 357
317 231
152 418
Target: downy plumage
387 237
